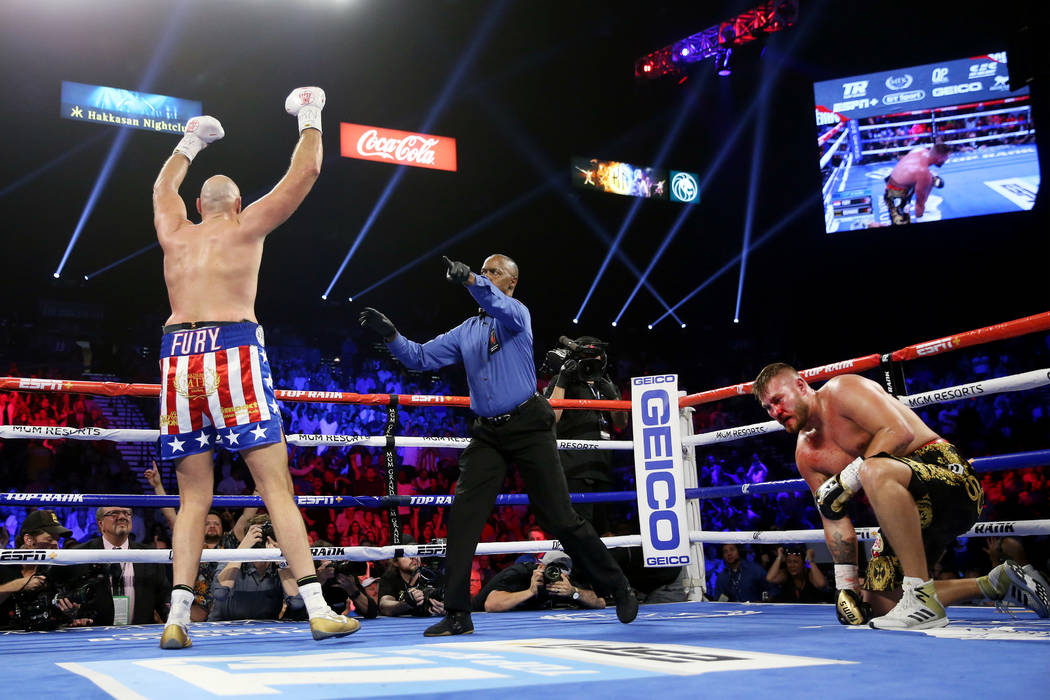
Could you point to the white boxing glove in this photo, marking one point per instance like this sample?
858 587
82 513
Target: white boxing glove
306 103
200 131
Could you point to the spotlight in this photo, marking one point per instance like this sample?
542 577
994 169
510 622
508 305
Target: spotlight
324 297
727 33
56 275
650 326
575 320
683 325
349 298
614 324
647 68
723 63
85 278
736 320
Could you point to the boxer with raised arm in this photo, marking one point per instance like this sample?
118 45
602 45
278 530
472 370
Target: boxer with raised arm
216 385
854 436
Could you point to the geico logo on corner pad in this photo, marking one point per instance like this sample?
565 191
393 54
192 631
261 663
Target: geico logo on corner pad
939 75
857 88
658 456
668 561
26 555
975 86
899 97
993 527
983 70
899 82
660 379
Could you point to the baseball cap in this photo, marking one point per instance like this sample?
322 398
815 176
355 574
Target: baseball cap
45 520
557 557
797 549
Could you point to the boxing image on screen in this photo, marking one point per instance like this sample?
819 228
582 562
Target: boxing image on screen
138 110
932 142
635 180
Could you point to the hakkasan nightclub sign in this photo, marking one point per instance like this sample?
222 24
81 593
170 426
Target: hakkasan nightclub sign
138 110
963 81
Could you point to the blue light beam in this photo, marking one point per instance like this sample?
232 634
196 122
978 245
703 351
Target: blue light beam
686 211
465 60
752 198
777 228
137 253
53 163
172 28
533 155
672 135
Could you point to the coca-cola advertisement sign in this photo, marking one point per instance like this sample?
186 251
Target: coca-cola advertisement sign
397 147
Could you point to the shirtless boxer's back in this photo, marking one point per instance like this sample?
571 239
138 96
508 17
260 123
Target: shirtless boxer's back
216 384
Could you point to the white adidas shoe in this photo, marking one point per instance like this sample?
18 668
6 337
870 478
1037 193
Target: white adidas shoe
918 609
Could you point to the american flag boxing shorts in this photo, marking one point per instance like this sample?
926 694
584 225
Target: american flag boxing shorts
216 390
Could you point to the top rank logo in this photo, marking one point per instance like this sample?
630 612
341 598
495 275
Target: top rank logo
858 88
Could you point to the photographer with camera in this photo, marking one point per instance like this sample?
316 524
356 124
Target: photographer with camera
580 367
29 598
537 586
255 590
125 593
408 589
342 586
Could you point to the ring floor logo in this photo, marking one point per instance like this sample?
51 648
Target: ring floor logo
449 667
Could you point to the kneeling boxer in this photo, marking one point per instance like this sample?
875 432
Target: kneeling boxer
923 492
911 176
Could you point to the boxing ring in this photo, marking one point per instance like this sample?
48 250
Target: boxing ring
994 166
674 649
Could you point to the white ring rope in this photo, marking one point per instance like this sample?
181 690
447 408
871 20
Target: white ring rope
65 557
1016 382
831 151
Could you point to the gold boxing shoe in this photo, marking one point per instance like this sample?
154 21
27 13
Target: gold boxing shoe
329 624
174 637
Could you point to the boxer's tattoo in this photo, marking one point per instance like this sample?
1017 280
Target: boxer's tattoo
843 551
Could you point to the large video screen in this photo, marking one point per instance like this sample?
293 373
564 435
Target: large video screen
138 110
939 141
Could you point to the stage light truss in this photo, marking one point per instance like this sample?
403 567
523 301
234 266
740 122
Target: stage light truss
769 17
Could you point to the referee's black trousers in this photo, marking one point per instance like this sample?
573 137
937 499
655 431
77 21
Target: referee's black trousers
527 441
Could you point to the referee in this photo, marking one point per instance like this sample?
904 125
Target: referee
514 425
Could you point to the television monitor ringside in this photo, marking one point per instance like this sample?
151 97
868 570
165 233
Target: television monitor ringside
878 136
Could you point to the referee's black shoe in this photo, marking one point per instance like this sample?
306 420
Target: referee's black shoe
457 623
626 603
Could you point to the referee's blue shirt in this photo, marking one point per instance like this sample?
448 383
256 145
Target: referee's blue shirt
499 381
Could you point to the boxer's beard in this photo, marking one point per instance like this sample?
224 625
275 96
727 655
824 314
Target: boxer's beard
801 416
